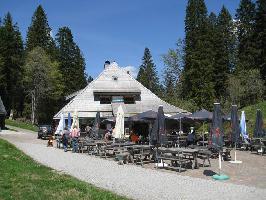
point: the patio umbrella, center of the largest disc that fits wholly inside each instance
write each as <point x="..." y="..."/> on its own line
<point x="157" y="136"/>
<point x="258" y="130"/>
<point x="216" y="128"/>
<point x="235" y="130"/>
<point x="202" y="115"/>
<point x="68" y="121"/>
<point x="75" y="121"/>
<point x="180" y="117"/>
<point x="158" y="129"/>
<point x="150" y="114"/>
<point x="243" y="127"/>
<point x="217" y="138"/>
<point x="61" y="125"/>
<point x="119" y="131"/>
<point x="235" y="125"/>
<point x="96" y="125"/>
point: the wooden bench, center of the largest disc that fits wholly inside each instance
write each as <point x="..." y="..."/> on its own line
<point x="123" y="157"/>
<point x="226" y="154"/>
<point x="205" y="155"/>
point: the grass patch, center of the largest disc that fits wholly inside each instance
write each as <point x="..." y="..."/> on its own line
<point x="12" y="129"/>
<point x="251" y="112"/>
<point x="22" y="178"/>
<point x="20" y="124"/>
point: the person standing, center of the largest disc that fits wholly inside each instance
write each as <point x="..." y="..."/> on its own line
<point x="65" y="138"/>
<point x="75" y="133"/>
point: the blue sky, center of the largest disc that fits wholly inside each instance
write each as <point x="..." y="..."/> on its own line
<point x="114" y="29"/>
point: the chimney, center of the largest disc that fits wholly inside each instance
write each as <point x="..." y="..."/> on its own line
<point x="106" y="64"/>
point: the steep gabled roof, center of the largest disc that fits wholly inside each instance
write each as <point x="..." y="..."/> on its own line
<point x="114" y="79"/>
<point x="2" y="107"/>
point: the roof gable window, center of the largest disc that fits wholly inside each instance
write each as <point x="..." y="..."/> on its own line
<point x="115" y="78"/>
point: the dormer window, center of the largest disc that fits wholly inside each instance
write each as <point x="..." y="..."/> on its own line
<point x="115" y="78"/>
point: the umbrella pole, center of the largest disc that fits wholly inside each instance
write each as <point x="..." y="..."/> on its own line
<point x="180" y="124"/>
<point x="220" y="163"/>
<point x="203" y="134"/>
<point x="235" y="161"/>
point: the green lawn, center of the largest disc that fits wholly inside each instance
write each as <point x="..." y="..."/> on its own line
<point x="22" y="178"/>
<point x="23" y="125"/>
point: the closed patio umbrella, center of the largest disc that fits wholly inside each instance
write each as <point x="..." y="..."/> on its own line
<point x="61" y="125"/>
<point x="69" y="121"/>
<point x="258" y="130"/>
<point x="119" y="131"/>
<point x="243" y="127"/>
<point x="216" y="128"/>
<point x="235" y="130"/>
<point x="75" y="121"/>
<point x="157" y="136"/>
<point x="217" y="138"/>
<point x="96" y="126"/>
<point x="235" y="125"/>
<point x="158" y="129"/>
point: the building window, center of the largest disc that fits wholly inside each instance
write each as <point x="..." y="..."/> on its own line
<point x="117" y="99"/>
<point x="129" y="100"/>
<point x="115" y="78"/>
<point x="105" y="100"/>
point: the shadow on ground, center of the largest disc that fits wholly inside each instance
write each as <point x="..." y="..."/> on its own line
<point x="208" y="172"/>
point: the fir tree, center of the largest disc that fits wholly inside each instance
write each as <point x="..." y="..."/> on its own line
<point x="11" y="61"/>
<point x="224" y="46"/>
<point x="39" y="33"/>
<point x="198" y="70"/>
<point x="260" y="29"/>
<point x="147" y="75"/>
<point x="90" y="79"/>
<point x="72" y="64"/>
<point x="245" y="20"/>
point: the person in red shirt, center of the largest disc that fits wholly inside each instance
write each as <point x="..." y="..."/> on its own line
<point x="134" y="137"/>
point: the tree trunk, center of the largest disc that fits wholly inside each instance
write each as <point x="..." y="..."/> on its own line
<point x="33" y="107"/>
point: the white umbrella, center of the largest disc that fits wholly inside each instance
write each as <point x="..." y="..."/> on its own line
<point x="75" y="121"/>
<point x="61" y="125"/>
<point x="243" y="126"/>
<point x="119" y="131"/>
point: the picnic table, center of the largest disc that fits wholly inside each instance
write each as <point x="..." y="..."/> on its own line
<point x="259" y="145"/>
<point x="140" y="152"/>
<point x="186" y="152"/>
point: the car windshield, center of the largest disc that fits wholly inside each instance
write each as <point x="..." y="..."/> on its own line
<point x="45" y="128"/>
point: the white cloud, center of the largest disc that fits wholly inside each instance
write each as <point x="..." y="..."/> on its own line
<point x="132" y="70"/>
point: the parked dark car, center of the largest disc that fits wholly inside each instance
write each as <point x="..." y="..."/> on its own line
<point x="45" y="131"/>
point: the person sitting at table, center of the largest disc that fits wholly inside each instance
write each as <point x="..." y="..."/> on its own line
<point x="133" y="137"/>
<point x="107" y="136"/>
<point x="191" y="137"/>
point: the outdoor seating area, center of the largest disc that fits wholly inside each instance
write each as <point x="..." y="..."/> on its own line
<point x="125" y="152"/>
<point x="175" y="151"/>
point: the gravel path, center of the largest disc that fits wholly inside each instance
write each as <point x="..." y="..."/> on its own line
<point x="129" y="180"/>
